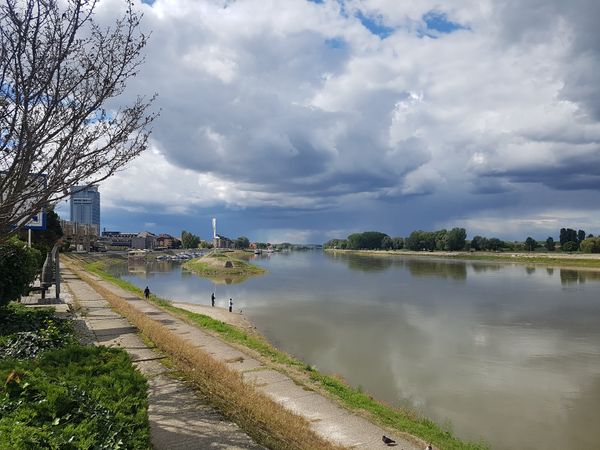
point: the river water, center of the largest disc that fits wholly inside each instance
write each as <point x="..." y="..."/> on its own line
<point x="499" y="352"/>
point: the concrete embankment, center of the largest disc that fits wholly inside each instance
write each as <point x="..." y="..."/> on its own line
<point x="326" y="418"/>
<point x="179" y="419"/>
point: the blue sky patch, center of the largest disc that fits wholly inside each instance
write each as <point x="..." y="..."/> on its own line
<point x="335" y="43"/>
<point x="438" y="21"/>
<point x="315" y="1"/>
<point x="148" y="2"/>
<point x="375" y="25"/>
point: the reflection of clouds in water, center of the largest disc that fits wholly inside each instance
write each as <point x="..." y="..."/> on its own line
<point x="502" y="350"/>
<point x="447" y="365"/>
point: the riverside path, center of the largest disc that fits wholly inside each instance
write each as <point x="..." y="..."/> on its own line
<point x="201" y="425"/>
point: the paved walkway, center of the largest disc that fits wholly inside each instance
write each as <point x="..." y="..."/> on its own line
<point x="326" y="417"/>
<point x="178" y="418"/>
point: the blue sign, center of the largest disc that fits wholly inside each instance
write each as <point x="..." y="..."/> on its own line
<point x="37" y="222"/>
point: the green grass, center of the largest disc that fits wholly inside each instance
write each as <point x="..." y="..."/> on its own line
<point x="60" y="394"/>
<point x="201" y="266"/>
<point x="354" y="398"/>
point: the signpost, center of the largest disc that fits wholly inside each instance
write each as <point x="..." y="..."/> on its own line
<point x="38" y="221"/>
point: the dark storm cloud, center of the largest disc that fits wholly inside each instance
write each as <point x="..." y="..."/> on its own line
<point x="296" y="106"/>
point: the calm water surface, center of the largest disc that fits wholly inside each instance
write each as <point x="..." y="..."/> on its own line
<point x="501" y="352"/>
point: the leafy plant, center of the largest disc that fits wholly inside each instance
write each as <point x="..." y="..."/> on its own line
<point x="72" y="398"/>
<point x="18" y="268"/>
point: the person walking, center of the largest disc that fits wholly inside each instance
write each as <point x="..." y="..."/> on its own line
<point x="212" y="299"/>
<point x="147" y="293"/>
<point x="230" y="305"/>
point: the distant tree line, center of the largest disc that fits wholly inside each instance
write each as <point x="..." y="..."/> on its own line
<point x="456" y="240"/>
<point x="452" y="240"/>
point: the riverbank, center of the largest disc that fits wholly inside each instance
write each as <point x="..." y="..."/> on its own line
<point x="235" y="318"/>
<point x="551" y="259"/>
<point x="396" y="421"/>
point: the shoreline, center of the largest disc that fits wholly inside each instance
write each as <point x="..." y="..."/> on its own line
<point x="235" y="318"/>
<point x="402" y="423"/>
<point x="586" y="261"/>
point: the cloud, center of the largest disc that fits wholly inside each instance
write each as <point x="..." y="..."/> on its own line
<point x="300" y="106"/>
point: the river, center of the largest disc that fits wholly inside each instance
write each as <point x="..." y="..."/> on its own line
<point x="499" y="352"/>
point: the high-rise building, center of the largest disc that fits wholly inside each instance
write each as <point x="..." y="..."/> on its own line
<point x="85" y="205"/>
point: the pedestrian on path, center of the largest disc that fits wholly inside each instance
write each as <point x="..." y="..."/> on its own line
<point x="147" y="292"/>
<point x="212" y="299"/>
<point x="230" y="305"/>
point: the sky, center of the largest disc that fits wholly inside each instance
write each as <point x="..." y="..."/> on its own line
<point x="302" y="121"/>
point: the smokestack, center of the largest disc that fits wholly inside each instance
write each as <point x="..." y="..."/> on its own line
<point x="214" y="225"/>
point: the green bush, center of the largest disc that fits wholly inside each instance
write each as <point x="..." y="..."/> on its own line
<point x="18" y="268"/>
<point x="73" y="398"/>
<point x="570" y="246"/>
<point x="61" y="395"/>
<point x="590" y="245"/>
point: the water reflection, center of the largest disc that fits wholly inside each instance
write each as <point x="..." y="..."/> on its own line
<point x="570" y="276"/>
<point x="222" y="279"/>
<point x="482" y="267"/>
<point x="362" y="263"/>
<point x="456" y="270"/>
<point x="505" y="348"/>
<point x="418" y="267"/>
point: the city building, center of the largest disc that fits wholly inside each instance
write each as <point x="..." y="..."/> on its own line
<point x="115" y="240"/>
<point x="144" y="241"/>
<point x="166" y="241"/>
<point x="85" y="206"/>
<point x="80" y="236"/>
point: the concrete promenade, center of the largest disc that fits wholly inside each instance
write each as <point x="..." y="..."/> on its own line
<point x="179" y="419"/>
<point x="177" y="416"/>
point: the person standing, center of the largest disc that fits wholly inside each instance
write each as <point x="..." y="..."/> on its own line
<point x="230" y="305"/>
<point x="212" y="299"/>
<point x="147" y="292"/>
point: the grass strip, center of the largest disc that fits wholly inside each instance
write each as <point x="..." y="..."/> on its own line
<point x="402" y="420"/>
<point x="268" y="422"/>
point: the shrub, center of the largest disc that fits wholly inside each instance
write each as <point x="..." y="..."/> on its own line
<point x="71" y="398"/>
<point x="590" y="245"/>
<point x="569" y="246"/>
<point x="18" y="268"/>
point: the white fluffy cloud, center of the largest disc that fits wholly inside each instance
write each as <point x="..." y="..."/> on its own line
<point x="299" y="105"/>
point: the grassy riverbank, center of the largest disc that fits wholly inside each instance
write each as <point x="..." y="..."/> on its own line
<point x="60" y="394"/>
<point x="394" y="418"/>
<point x="589" y="261"/>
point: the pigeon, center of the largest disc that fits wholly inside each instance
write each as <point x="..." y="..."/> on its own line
<point x="387" y="440"/>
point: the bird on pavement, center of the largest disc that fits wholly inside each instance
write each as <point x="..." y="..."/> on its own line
<point x="387" y="440"/>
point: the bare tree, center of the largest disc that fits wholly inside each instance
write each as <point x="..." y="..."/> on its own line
<point x="61" y="124"/>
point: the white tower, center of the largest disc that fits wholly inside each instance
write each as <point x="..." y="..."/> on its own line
<point x="214" y="224"/>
